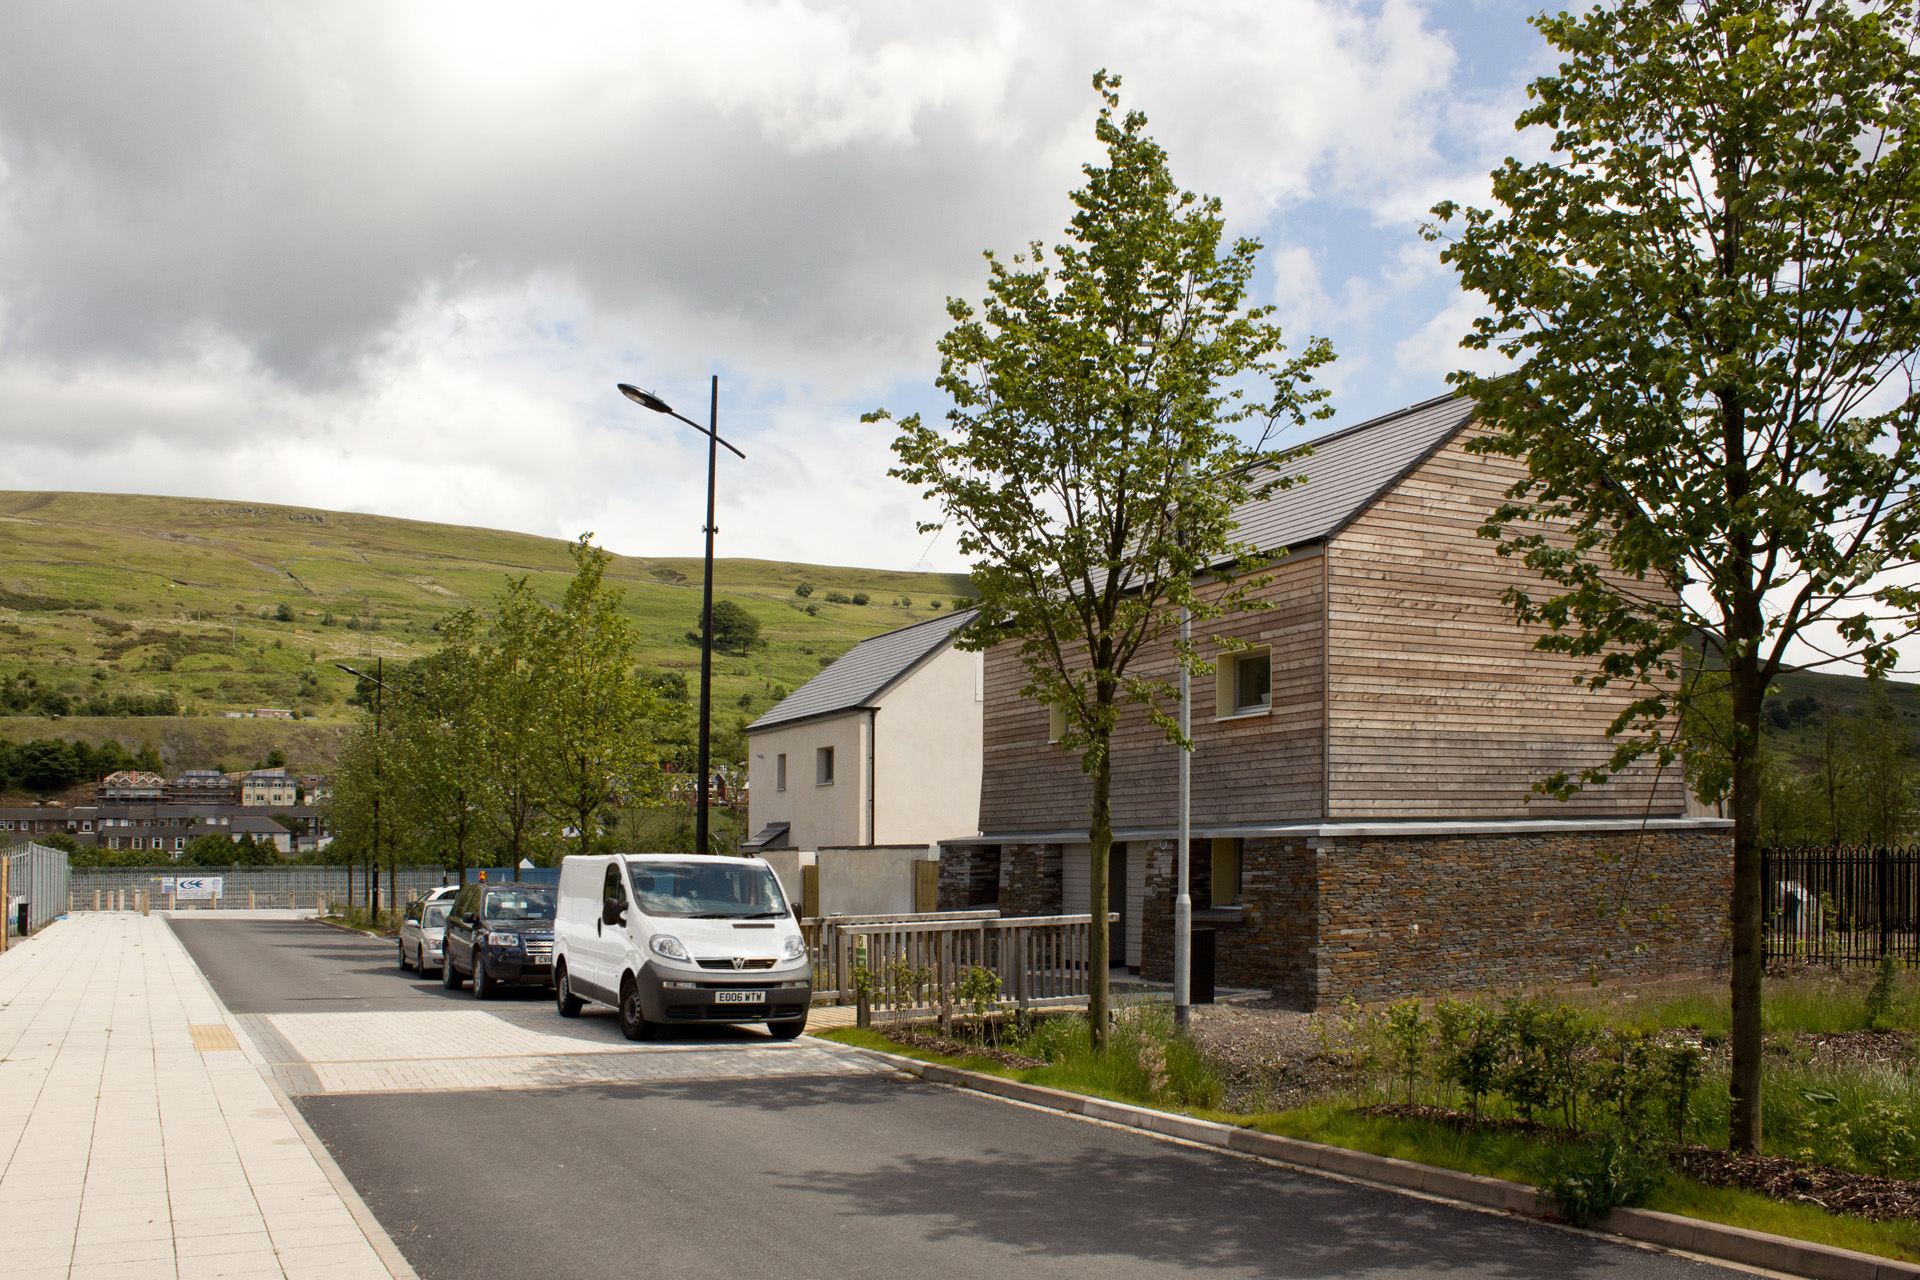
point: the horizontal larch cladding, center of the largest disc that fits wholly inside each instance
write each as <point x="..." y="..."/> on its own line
<point x="1439" y="704"/>
<point x="1256" y="769"/>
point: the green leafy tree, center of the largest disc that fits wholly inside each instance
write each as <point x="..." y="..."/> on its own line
<point x="1091" y="463"/>
<point x="1706" y="296"/>
<point x="207" y="851"/>
<point x="1883" y="767"/>
<point x="440" y="744"/>
<point x="46" y="764"/>
<point x="733" y="627"/>
<point x="604" y="722"/>
<point x="515" y="739"/>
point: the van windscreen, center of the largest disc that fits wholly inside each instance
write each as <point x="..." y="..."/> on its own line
<point x="706" y="890"/>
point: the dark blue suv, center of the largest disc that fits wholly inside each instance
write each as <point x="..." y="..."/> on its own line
<point x="500" y="933"/>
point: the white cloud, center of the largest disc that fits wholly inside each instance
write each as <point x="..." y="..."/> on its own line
<point x="393" y="257"/>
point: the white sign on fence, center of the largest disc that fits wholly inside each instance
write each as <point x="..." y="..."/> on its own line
<point x="190" y="887"/>
<point x="166" y="884"/>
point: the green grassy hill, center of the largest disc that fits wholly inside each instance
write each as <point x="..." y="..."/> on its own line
<point x="105" y="594"/>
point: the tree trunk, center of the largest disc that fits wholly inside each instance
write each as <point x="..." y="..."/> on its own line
<point x="1744" y="1120"/>
<point x="1100" y="845"/>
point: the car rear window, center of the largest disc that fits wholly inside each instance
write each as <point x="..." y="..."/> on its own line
<point x="524" y="902"/>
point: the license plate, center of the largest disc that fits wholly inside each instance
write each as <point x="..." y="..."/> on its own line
<point x="739" y="997"/>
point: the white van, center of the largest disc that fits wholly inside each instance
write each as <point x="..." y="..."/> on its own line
<point x="670" y="937"/>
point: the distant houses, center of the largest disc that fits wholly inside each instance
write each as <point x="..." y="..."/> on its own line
<point x="137" y="810"/>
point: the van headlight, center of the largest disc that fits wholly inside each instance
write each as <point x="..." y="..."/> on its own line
<point x="794" y="948"/>
<point x="669" y="946"/>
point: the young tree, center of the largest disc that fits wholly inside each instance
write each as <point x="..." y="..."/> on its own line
<point x="1883" y="768"/>
<point x="1092" y="464"/>
<point x="439" y="737"/>
<point x="603" y="720"/>
<point x="1707" y="295"/>
<point x="515" y="738"/>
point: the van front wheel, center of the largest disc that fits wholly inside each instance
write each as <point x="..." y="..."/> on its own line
<point x="633" y="1018"/>
<point x="789" y="1029"/>
<point x="568" y="1004"/>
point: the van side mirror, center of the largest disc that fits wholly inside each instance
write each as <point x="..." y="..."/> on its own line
<point x="613" y="911"/>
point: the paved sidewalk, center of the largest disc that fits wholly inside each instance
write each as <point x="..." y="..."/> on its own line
<point x="138" y="1135"/>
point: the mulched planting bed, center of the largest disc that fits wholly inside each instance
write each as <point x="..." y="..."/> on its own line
<point x="957" y="1048"/>
<point x="1859" y="1194"/>
<point x="1835" y="1190"/>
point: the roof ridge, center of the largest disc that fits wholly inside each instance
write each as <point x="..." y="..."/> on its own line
<point x="924" y="622"/>
<point x="1342" y="433"/>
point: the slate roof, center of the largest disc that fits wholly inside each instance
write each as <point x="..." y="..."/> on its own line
<point x="865" y="671"/>
<point x="1348" y="470"/>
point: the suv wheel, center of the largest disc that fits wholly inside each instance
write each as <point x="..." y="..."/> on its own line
<point x="449" y="976"/>
<point x="633" y="1018"/>
<point x="568" y="1004"/>
<point x="484" y="987"/>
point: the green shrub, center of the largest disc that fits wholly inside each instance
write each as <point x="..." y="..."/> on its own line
<point x="1587" y="1181"/>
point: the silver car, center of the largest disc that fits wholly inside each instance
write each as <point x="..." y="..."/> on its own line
<point x="423" y="935"/>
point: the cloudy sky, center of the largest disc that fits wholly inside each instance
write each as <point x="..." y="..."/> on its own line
<point x="393" y="257"/>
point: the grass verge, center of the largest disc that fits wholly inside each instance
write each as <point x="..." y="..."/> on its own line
<point x="1489" y="1153"/>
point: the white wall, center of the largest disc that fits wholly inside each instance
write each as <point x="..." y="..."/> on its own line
<point x="818" y="815"/>
<point x="924" y="783"/>
<point x="927" y="752"/>
<point x="869" y="881"/>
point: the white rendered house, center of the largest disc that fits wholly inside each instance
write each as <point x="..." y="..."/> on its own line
<point x="881" y="748"/>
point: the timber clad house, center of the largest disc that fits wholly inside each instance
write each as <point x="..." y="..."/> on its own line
<point x="1362" y="812"/>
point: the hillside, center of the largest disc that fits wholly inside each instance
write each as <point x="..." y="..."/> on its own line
<point x="105" y="596"/>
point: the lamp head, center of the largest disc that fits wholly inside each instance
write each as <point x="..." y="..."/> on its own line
<point x="645" y="399"/>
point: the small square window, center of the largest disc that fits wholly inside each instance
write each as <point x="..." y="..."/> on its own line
<point x="1253" y="682"/>
<point x="1245" y="683"/>
<point x="823" y="767"/>
<point x="780" y="772"/>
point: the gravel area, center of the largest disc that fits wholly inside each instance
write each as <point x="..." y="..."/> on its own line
<point x="1270" y="1058"/>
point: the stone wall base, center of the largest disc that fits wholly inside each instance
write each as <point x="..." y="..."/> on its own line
<point x="1378" y="918"/>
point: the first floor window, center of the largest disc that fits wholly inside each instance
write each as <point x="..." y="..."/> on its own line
<point x="1245" y="683"/>
<point x="780" y="772"/>
<point x="823" y="767"/>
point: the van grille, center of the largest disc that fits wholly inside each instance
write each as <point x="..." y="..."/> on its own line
<point x="728" y="964"/>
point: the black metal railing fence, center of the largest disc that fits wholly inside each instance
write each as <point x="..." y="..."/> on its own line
<point x="1841" y="904"/>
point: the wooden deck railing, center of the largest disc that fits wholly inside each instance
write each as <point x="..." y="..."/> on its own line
<point x="916" y="961"/>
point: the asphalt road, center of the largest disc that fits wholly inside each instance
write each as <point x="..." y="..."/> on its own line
<point x="848" y="1176"/>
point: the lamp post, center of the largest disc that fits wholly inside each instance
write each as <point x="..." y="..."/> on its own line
<point x="373" y="881"/>
<point x="647" y="400"/>
<point x="1183" y="899"/>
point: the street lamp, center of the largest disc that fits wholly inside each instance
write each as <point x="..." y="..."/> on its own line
<point x="647" y="400"/>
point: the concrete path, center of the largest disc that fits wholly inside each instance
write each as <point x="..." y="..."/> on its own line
<point x="138" y="1135"/>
